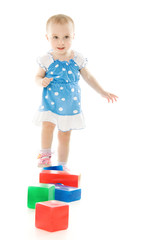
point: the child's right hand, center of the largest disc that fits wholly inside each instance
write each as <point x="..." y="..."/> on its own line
<point x="46" y="81"/>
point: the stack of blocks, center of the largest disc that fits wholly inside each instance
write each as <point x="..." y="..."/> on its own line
<point x="49" y="199"/>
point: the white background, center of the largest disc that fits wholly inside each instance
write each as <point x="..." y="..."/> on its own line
<point x="118" y="152"/>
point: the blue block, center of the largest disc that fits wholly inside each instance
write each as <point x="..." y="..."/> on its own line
<point x="67" y="194"/>
<point x="58" y="168"/>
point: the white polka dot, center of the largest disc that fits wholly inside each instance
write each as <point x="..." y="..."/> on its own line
<point x="75" y="64"/>
<point x="75" y="111"/>
<point x="56" y="93"/>
<point x="61" y="88"/>
<point x="58" y="77"/>
<point x="79" y="91"/>
<point x="51" y="73"/>
<point x="63" y="99"/>
<point x="75" y="98"/>
<point x="42" y="107"/>
<point x="49" y="89"/>
<point x="69" y="72"/>
<point x="60" y="109"/>
<point x="72" y="90"/>
<point x="67" y="64"/>
<point x="63" y="69"/>
<point x="57" y="66"/>
<point x="46" y="97"/>
<point x="52" y="103"/>
<point x="66" y="80"/>
<point x="79" y="103"/>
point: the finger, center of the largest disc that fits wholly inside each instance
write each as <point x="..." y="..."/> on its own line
<point x="44" y="83"/>
<point x="113" y="99"/>
<point x="110" y="98"/>
<point x="114" y="96"/>
<point x="49" y="80"/>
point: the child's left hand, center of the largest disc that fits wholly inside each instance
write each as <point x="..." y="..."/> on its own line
<point x="95" y="85"/>
<point x="109" y="96"/>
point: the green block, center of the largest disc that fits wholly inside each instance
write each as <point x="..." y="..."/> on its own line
<point x="40" y="193"/>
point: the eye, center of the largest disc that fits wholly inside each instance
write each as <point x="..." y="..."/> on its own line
<point x="55" y="37"/>
<point x="66" y="37"/>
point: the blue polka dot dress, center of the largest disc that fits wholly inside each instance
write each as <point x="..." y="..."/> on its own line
<point x="61" y="99"/>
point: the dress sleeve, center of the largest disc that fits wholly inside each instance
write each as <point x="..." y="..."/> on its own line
<point x="80" y="60"/>
<point x="44" y="61"/>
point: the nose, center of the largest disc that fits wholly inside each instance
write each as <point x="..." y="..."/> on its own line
<point x="61" y="41"/>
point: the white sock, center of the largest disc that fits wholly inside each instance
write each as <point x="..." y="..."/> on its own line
<point x="47" y="150"/>
<point x="62" y="163"/>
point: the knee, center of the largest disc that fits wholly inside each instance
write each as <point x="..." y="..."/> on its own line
<point x="48" y="125"/>
<point x="64" y="136"/>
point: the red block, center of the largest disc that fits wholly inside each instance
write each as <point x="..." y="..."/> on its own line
<point x="66" y="178"/>
<point x="52" y="216"/>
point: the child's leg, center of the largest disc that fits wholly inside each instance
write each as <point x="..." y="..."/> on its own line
<point x="47" y="135"/>
<point x="63" y="146"/>
<point x="46" y="142"/>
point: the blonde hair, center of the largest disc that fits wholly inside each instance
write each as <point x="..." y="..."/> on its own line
<point x="59" y="19"/>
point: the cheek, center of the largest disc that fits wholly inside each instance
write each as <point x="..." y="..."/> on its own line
<point x="69" y="43"/>
<point x="53" y="44"/>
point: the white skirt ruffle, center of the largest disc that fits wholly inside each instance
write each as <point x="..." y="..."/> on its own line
<point x="64" y="123"/>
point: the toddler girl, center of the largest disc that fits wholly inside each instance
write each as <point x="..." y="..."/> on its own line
<point x="59" y="74"/>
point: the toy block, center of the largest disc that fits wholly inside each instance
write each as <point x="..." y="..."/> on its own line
<point x="43" y="192"/>
<point x="67" y="194"/>
<point x="52" y="216"/>
<point x="66" y="178"/>
<point x="59" y="168"/>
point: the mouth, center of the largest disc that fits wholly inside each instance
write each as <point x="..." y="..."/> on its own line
<point x="61" y="48"/>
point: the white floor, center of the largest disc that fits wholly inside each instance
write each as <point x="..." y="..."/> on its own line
<point x="120" y="168"/>
<point x="119" y="151"/>
<point x="120" y="181"/>
<point x="115" y="204"/>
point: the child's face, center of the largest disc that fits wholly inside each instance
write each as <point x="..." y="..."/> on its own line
<point x="60" y="37"/>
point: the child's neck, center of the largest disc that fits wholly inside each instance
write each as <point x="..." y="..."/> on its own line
<point x="63" y="57"/>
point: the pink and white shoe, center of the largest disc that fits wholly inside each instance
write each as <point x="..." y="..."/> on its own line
<point x="44" y="160"/>
<point x="66" y="169"/>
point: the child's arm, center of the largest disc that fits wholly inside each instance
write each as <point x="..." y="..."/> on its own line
<point x="40" y="78"/>
<point x="95" y="85"/>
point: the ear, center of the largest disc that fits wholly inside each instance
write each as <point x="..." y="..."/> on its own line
<point x="47" y="36"/>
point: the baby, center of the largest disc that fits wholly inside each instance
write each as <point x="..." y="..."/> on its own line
<point x="59" y="74"/>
